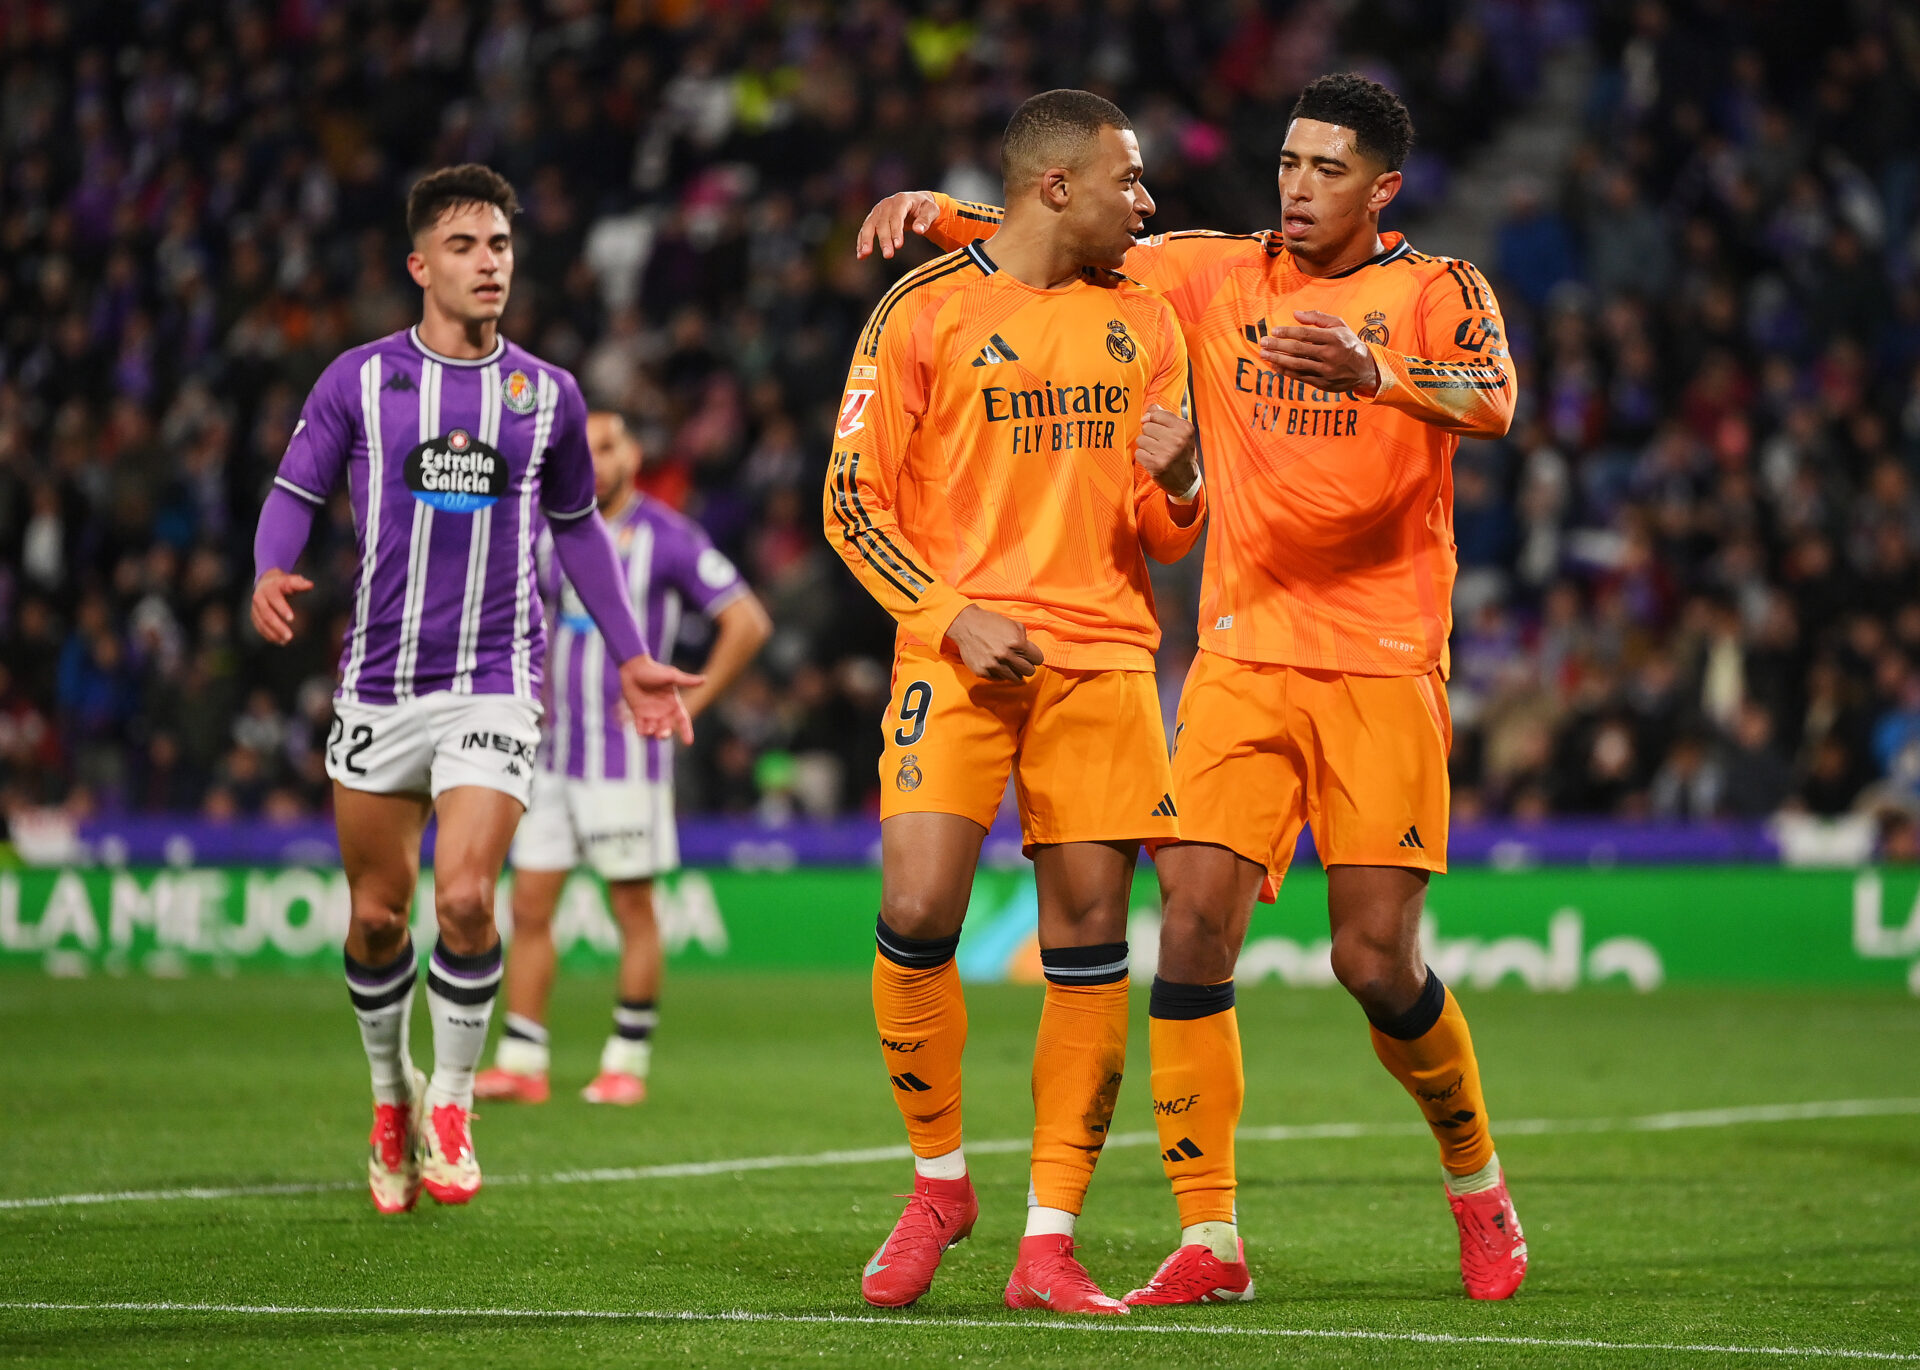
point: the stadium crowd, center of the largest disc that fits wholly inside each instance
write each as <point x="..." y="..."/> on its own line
<point x="1689" y="580"/>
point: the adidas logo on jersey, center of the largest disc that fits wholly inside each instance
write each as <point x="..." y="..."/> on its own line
<point x="1255" y="331"/>
<point x="1412" y="839"/>
<point x="996" y="352"/>
<point x="1165" y="809"/>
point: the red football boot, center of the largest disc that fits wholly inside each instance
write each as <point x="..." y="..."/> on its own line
<point x="1047" y="1276"/>
<point x="1193" y="1274"/>
<point x="448" y="1168"/>
<point x="1493" y="1249"/>
<point x="510" y="1085"/>
<point x="938" y="1214"/>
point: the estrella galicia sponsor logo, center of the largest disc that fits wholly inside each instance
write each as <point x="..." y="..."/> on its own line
<point x="1120" y="344"/>
<point x="516" y="392"/>
<point x="1375" y="329"/>
<point x="456" y="472"/>
<point x="498" y="742"/>
<point x="908" y="779"/>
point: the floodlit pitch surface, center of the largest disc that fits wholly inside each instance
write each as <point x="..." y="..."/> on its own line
<point x="1677" y="1214"/>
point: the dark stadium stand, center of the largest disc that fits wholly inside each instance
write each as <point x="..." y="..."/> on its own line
<point x="1690" y="576"/>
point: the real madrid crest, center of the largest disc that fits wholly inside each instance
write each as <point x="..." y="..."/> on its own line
<point x="908" y="779"/>
<point x="516" y="392"/>
<point x="1119" y="344"/>
<point x="1375" y="328"/>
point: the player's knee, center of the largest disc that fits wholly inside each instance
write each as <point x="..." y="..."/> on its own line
<point x="1195" y="946"/>
<point x="1373" y="973"/>
<point x="381" y="921"/>
<point x="920" y="913"/>
<point x="465" y="904"/>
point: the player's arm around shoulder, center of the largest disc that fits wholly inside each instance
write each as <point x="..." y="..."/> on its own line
<point x="1461" y="377"/>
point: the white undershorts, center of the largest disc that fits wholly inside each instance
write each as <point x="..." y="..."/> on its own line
<point x="433" y="743"/>
<point x="622" y="829"/>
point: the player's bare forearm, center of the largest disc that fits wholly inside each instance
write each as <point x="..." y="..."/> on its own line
<point x="741" y="629"/>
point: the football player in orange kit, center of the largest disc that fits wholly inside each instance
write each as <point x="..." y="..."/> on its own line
<point x="1012" y="445"/>
<point x="1336" y="370"/>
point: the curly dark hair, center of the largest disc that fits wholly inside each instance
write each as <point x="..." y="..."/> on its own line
<point x="1382" y="128"/>
<point x="455" y="187"/>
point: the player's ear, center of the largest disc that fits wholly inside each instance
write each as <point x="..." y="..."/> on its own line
<point x="1056" y="187"/>
<point x="417" y="268"/>
<point x="1385" y="186"/>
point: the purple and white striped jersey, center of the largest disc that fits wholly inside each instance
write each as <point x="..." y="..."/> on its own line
<point x="452" y="465"/>
<point x="668" y="559"/>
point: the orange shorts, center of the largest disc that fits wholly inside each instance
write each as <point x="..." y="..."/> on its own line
<point x="1086" y="749"/>
<point x="1261" y="750"/>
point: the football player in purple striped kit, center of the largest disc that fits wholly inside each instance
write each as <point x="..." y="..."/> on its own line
<point x="456" y="448"/>
<point x="604" y="794"/>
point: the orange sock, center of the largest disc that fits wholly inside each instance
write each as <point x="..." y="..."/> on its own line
<point x="1079" y="1056"/>
<point x="1198" y="1089"/>
<point x="1430" y="1052"/>
<point x="922" y="1016"/>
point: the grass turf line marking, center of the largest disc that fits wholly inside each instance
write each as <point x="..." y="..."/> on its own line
<point x="1103" y="1327"/>
<point x="1529" y="1127"/>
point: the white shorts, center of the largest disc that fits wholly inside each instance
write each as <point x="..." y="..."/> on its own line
<point x="622" y="829"/>
<point x="433" y="743"/>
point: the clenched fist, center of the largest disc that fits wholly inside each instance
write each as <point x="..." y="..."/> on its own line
<point x="1166" y="450"/>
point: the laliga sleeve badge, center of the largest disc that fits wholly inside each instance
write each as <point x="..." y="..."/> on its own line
<point x="516" y="392"/>
<point x="909" y="778"/>
<point x="1119" y="344"/>
<point x="1375" y="328"/>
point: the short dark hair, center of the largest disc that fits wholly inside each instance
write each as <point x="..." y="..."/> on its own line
<point x="1053" y="128"/>
<point x="454" y="187"/>
<point x="1382" y="128"/>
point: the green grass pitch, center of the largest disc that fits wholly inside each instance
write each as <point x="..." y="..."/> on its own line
<point x="1648" y="1244"/>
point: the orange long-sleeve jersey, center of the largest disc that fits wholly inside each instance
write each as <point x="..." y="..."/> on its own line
<point x="1332" y="539"/>
<point x="984" y="454"/>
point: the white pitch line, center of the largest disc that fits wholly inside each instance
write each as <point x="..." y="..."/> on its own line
<point x="1305" y="1132"/>
<point x="1106" y="1327"/>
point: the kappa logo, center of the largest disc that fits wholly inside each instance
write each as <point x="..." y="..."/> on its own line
<point x="517" y="393"/>
<point x="851" y="408"/>
<point x="399" y="382"/>
<point x="1120" y="345"/>
<point x="908" y="778"/>
<point x="1375" y="329"/>
<point x="995" y="352"/>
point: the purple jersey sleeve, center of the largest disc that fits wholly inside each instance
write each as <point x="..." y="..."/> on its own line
<point x="586" y="553"/>
<point x="701" y="571"/>
<point x="566" y="481"/>
<point x="285" y="524"/>
<point x="316" y="455"/>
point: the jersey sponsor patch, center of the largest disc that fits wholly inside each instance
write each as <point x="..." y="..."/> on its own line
<point x="851" y="408"/>
<point x="516" y="392"/>
<point x="714" y="569"/>
<point x="456" y="472"/>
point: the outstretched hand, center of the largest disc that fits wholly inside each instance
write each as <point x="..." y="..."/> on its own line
<point x="887" y="223"/>
<point x="651" y="691"/>
<point x="1322" y="351"/>
<point x="272" y="607"/>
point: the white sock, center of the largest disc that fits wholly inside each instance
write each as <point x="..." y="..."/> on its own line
<point x="1486" y="1177"/>
<point x="382" y="1002"/>
<point x="951" y="1166"/>
<point x="1045" y="1222"/>
<point x="1223" y="1239"/>
<point x="460" y="993"/>
<point x="624" y="1056"/>
<point x="520" y="1051"/>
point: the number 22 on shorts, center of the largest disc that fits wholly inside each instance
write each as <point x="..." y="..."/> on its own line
<point x="362" y="739"/>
